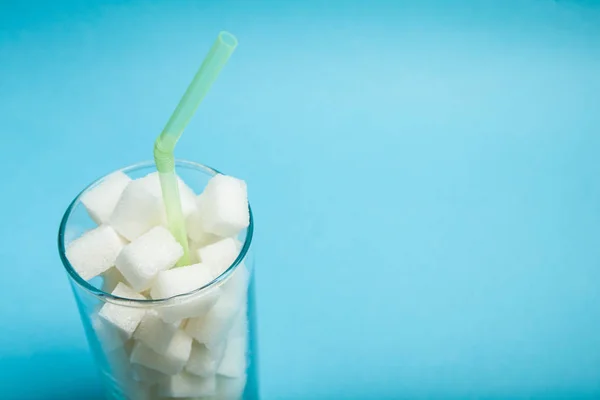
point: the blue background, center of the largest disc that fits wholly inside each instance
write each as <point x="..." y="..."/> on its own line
<point x="425" y="178"/>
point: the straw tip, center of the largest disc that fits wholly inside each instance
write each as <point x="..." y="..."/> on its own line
<point x="228" y="39"/>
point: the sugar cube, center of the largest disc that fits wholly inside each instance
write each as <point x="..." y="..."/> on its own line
<point x="117" y="362"/>
<point x="239" y="327"/>
<point x="233" y="363"/>
<point x="180" y="281"/>
<point x="230" y="388"/>
<point x="186" y="194"/>
<point x="100" y="201"/>
<point x="156" y="333"/>
<point x="204" y="361"/>
<point x="220" y="255"/>
<point x="95" y="251"/>
<point x="110" y="278"/>
<point x="224" y="206"/>
<point x="187" y="385"/>
<point x="108" y="337"/>
<point x="213" y="327"/>
<point x="123" y="317"/>
<point x="144" y="374"/>
<point x="195" y="226"/>
<point x="180" y="347"/>
<point x="120" y="374"/>
<point x="154" y="251"/>
<point x="137" y="211"/>
<point x="132" y="389"/>
<point x="141" y="390"/>
<point x="192" y="306"/>
<point x="170" y="363"/>
<point x="236" y="285"/>
<point x="228" y="314"/>
<point x="193" y="246"/>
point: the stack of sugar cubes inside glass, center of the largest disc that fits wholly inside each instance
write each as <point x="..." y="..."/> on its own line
<point x="193" y="343"/>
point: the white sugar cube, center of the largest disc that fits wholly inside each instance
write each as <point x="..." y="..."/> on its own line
<point x="239" y="327"/>
<point x="233" y="363"/>
<point x="224" y="206"/>
<point x="170" y="363"/>
<point x="127" y="387"/>
<point x="228" y="314"/>
<point x="220" y="255"/>
<point x="204" y="361"/>
<point x="195" y="226"/>
<point x="117" y="363"/>
<point x="154" y="251"/>
<point x="108" y="337"/>
<point x="180" y="281"/>
<point x="225" y="314"/>
<point x="230" y="388"/>
<point x="186" y="194"/>
<point x="236" y="285"/>
<point x="137" y="211"/>
<point x="192" y="246"/>
<point x="143" y="374"/>
<point x="111" y="278"/>
<point x="141" y="390"/>
<point x="100" y="201"/>
<point x="185" y="385"/>
<point x="123" y="317"/>
<point x="213" y="327"/>
<point x="156" y="333"/>
<point x="95" y="251"/>
<point x="192" y="306"/>
<point x="180" y="347"/>
<point x="120" y="372"/>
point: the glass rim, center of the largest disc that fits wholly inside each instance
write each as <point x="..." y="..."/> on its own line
<point x="105" y="296"/>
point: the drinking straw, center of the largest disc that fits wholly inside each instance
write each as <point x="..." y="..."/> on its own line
<point x="165" y="143"/>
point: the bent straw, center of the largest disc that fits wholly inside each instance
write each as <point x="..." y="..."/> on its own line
<point x="164" y="145"/>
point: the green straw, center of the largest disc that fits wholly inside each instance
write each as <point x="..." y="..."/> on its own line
<point x="165" y="144"/>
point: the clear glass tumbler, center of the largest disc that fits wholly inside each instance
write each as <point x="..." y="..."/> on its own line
<point x="224" y="366"/>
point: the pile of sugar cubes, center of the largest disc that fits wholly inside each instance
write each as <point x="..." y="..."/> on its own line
<point x="191" y="346"/>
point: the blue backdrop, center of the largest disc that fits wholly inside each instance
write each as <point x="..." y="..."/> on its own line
<point x="425" y="178"/>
